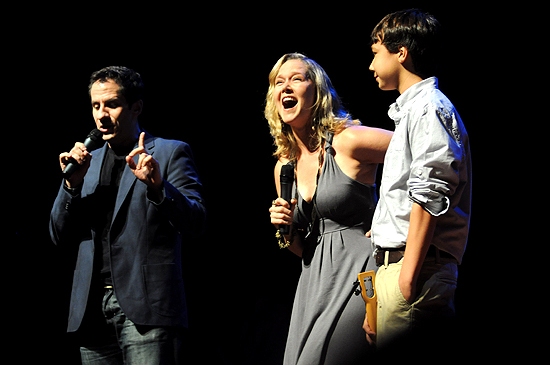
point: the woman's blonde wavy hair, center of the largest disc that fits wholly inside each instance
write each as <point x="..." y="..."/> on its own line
<point x="328" y="112"/>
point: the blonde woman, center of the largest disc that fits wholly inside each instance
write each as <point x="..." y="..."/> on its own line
<point x="335" y="160"/>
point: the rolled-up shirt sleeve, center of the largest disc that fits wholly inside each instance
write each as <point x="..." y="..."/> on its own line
<point x="435" y="155"/>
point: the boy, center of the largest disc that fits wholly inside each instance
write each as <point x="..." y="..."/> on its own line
<point x="421" y="223"/>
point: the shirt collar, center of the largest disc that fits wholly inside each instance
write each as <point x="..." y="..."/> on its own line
<point x="399" y="107"/>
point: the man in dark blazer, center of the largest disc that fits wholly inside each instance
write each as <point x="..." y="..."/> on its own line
<point x="127" y="207"/>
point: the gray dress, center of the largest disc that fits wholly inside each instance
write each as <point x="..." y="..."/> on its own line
<point x="327" y="317"/>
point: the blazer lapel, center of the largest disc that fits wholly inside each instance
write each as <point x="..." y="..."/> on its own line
<point x="128" y="178"/>
<point x="91" y="180"/>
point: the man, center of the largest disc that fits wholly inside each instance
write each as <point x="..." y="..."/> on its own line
<point x="128" y="208"/>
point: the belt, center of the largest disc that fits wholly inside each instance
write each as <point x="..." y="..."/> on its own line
<point x="396" y="254"/>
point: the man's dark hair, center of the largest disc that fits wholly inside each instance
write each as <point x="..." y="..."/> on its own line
<point x="130" y="82"/>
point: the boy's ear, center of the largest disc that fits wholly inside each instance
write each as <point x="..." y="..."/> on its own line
<point x="402" y="54"/>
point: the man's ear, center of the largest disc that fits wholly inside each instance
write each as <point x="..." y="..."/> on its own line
<point x="137" y="107"/>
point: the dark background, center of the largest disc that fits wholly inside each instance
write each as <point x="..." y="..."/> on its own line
<point x="205" y="68"/>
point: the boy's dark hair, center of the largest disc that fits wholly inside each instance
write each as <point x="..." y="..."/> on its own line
<point x="418" y="31"/>
<point x="130" y="82"/>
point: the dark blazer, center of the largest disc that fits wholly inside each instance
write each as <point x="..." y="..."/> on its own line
<point x="145" y="238"/>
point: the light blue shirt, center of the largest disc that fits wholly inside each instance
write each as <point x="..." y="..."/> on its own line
<point x="428" y="161"/>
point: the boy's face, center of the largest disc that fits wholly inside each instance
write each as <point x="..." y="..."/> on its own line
<point x="386" y="67"/>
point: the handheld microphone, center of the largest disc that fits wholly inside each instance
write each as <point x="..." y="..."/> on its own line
<point x="287" y="180"/>
<point x="93" y="141"/>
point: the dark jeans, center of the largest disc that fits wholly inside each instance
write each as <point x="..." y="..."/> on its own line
<point x="130" y="344"/>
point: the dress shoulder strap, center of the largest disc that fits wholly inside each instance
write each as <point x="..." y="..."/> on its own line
<point x="328" y="137"/>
